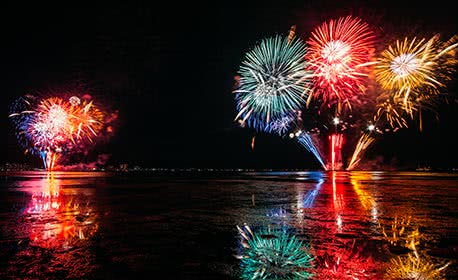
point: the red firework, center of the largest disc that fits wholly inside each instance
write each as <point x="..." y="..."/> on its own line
<point x="339" y="53"/>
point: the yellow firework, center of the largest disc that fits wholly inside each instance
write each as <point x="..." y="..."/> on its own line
<point x="414" y="70"/>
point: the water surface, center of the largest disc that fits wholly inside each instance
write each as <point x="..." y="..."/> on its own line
<point x="350" y="225"/>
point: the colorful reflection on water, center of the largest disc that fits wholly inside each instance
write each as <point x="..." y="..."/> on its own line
<point x="269" y="225"/>
<point x="56" y="218"/>
<point x="346" y="234"/>
<point x="53" y="229"/>
<point x="269" y="253"/>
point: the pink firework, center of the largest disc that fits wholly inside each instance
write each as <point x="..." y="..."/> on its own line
<point x="340" y="53"/>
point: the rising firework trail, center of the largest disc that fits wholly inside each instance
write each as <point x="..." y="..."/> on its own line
<point x="363" y="143"/>
<point x="55" y="126"/>
<point x="306" y="140"/>
<point x="336" y="141"/>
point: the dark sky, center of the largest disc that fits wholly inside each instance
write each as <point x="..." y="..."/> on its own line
<point x="169" y="71"/>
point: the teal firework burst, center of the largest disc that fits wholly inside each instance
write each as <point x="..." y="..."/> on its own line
<point x="273" y="254"/>
<point x="273" y="83"/>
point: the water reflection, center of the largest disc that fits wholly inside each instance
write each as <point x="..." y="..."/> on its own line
<point x="56" y="219"/>
<point x="309" y="225"/>
<point x="346" y="261"/>
<point x="366" y="198"/>
<point x="344" y="231"/>
<point x="269" y="253"/>
<point x="415" y="266"/>
<point x="401" y="233"/>
<point x="54" y="229"/>
<point x="409" y="260"/>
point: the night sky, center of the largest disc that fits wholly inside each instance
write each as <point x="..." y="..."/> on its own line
<point x="169" y="70"/>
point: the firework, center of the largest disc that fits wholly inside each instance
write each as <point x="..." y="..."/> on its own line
<point x="336" y="141"/>
<point x="54" y="126"/>
<point x="340" y="57"/>
<point x="391" y="112"/>
<point x="273" y="83"/>
<point x="411" y="74"/>
<point x="280" y="125"/>
<point x="413" y="71"/>
<point x="363" y="143"/>
<point x="340" y="52"/>
<point x="306" y="140"/>
<point x="273" y="254"/>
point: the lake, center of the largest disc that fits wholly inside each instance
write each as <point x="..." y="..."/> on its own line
<point x="229" y="225"/>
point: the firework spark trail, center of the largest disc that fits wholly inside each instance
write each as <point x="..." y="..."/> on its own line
<point x="363" y="143"/>
<point x="273" y="83"/>
<point x="339" y="53"/>
<point x="306" y="140"/>
<point x="391" y="112"/>
<point x="336" y="151"/>
<point x="280" y="125"/>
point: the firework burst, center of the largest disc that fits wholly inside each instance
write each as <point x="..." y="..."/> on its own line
<point x="412" y="71"/>
<point x="54" y="126"/>
<point x="340" y="52"/>
<point x="273" y="82"/>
